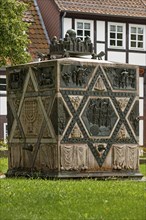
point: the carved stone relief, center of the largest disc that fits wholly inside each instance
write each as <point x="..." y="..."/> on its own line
<point x="17" y="133"/>
<point x="122" y="78"/>
<point x="16" y="79"/>
<point x="45" y="76"/>
<point x="47" y="101"/>
<point x="30" y="86"/>
<point x="16" y="103"/>
<point x="75" y="76"/>
<point x="125" y="157"/>
<point x="48" y="157"/>
<point x="123" y="134"/>
<point x="76" y="100"/>
<point x="46" y="133"/>
<point x="74" y="157"/>
<point x="10" y="117"/>
<point x="123" y="102"/>
<point x="76" y="132"/>
<point x="31" y="117"/>
<point x="16" y="156"/>
<point x="134" y="118"/>
<point x="99" y="117"/>
<point x="132" y="157"/>
<point x="59" y="116"/>
<point x="100" y="149"/>
<point x="91" y="111"/>
<point x="71" y="44"/>
<point x="99" y="85"/>
<point x="31" y="112"/>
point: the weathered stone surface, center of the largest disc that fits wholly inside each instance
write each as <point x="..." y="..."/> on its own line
<point x="73" y="118"/>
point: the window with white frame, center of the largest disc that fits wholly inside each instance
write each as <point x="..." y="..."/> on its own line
<point x="136" y="37"/>
<point x="116" y="35"/>
<point x="84" y="28"/>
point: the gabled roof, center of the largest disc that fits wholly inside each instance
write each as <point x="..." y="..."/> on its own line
<point x="37" y="33"/>
<point x="129" y="8"/>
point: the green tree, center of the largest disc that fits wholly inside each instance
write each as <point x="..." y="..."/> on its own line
<point x="13" y="33"/>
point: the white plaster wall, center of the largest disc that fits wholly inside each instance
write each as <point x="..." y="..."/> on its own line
<point x="2" y="76"/>
<point x="5" y="132"/>
<point x="141" y="86"/>
<point x="3" y="106"/>
<point x="100" y="47"/>
<point x="3" y="93"/>
<point x="117" y="56"/>
<point x="100" y="34"/>
<point x="137" y="59"/>
<point x="141" y="137"/>
<point x="66" y="25"/>
<point x="141" y="109"/>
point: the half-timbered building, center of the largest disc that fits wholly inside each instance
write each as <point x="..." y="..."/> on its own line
<point x="116" y="27"/>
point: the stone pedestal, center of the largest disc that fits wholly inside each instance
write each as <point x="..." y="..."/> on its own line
<point x="73" y="117"/>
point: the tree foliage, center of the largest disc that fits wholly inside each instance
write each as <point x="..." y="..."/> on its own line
<point x="13" y="33"/>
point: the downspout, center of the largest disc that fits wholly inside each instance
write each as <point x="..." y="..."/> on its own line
<point x="42" y="22"/>
<point x="62" y="23"/>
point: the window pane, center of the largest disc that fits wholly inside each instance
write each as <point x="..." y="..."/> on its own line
<point x="133" y="37"/>
<point x="119" y="43"/>
<point x="87" y="25"/>
<point x="112" y="28"/>
<point x="119" y="36"/>
<point x="140" y="30"/>
<point x="119" y="29"/>
<point x="133" y="29"/>
<point x="112" y="35"/>
<point x="133" y="44"/>
<point x="87" y="33"/>
<point x="80" y="38"/>
<point x="140" y="44"/>
<point x="79" y="25"/>
<point x="79" y="32"/>
<point x="112" y="42"/>
<point x="140" y="37"/>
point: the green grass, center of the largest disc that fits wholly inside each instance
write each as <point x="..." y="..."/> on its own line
<point x="143" y="169"/>
<point x="37" y="199"/>
<point x="3" y="165"/>
<point x="75" y="200"/>
<point x="3" y="148"/>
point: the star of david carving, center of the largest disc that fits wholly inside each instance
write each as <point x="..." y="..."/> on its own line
<point x="76" y="114"/>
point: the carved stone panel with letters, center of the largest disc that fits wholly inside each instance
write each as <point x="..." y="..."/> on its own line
<point x="73" y="118"/>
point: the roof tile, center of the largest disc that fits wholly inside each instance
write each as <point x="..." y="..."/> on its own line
<point x="129" y="8"/>
<point x="36" y="32"/>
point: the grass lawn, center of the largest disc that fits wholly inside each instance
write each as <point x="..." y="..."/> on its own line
<point x="37" y="199"/>
<point x="143" y="169"/>
<point x="3" y="165"/>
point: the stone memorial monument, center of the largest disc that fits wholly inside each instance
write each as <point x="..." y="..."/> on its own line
<point x="73" y="117"/>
